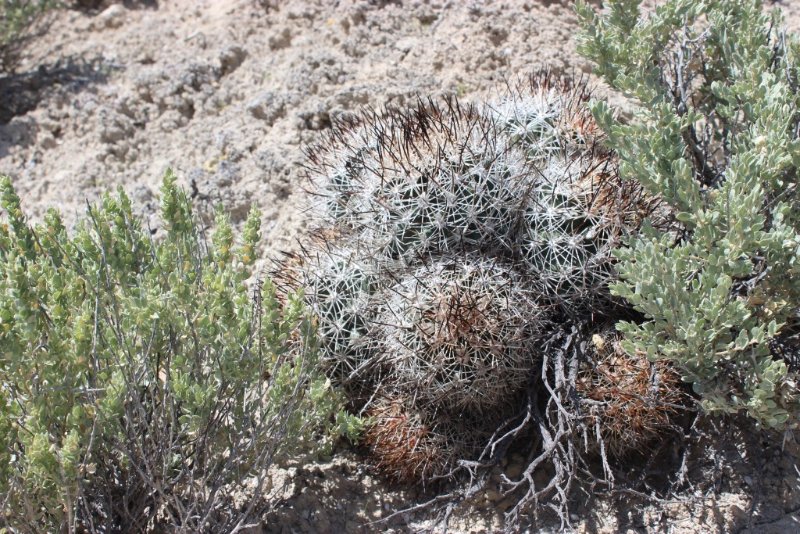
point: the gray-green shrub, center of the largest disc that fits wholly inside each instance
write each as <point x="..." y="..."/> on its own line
<point x="142" y="385"/>
<point x="715" y="135"/>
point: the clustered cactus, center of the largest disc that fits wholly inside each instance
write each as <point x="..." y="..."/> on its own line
<point x="447" y="242"/>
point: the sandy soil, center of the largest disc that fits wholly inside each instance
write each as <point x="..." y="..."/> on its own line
<point x="228" y="92"/>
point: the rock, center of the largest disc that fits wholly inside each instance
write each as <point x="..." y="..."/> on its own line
<point x="267" y="106"/>
<point x="141" y="193"/>
<point x="492" y="495"/>
<point x="230" y="58"/>
<point x="317" y="119"/>
<point x="113" y="127"/>
<point x="353" y="97"/>
<point x="282" y="39"/>
<point x="515" y="466"/>
<point x="507" y="503"/>
<point x="47" y="141"/>
<point x="227" y="174"/>
<point x="112" y="17"/>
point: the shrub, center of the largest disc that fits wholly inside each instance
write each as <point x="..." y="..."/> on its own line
<point x="16" y="18"/>
<point x="143" y="385"/>
<point x="715" y="135"/>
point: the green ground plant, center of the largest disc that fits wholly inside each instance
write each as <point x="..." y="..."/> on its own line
<point x="143" y="385"/>
<point x="715" y="135"/>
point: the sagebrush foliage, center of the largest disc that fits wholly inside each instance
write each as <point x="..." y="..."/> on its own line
<point x="142" y="383"/>
<point x="715" y="135"/>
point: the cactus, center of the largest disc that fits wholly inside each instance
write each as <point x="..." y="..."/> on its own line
<point x="405" y="186"/>
<point x="546" y="113"/>
<point x="338" y="288"/>
<point x="413" y="445"/>
<point x="449" y="240"/>
<point x="629" y="401"/>
<point x="460" y="333"/>
<point x="578" y="208"/>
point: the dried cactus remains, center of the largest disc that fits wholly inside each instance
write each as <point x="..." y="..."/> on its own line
<point x="413" y="445"/>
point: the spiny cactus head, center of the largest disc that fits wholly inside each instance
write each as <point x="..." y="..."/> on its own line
<point x="434" y="180"/>
<point x="337" y="287"/>
<point x="415" y="446"/>
<point x="566" y="246"/>
<point x="546" y="112"/>
<point x="458" y="333"/>
<point x="633" y="401"/>
<point x="333" y="167"/>
<point x="576" y="211"/>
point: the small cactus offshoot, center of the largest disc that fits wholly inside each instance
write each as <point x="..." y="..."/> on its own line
<point x="414" y="445"/>
<point x="459" y="333"/>
<point x="630" y="399"/>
